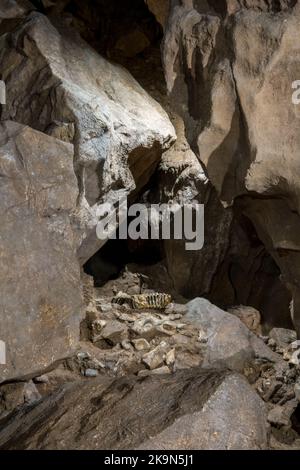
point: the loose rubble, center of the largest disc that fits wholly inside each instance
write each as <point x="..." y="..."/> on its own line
<point x="119" y="340"/>
<point x="184" y="336"/>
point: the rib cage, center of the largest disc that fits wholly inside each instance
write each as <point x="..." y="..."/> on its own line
<point x="155" y="300"/>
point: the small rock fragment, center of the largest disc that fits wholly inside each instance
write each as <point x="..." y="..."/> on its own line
<point x="283" y="337"/>
<point x="146" y="327"/>
<point x="82" y="355"/>
<point x="90" y="373"/>
<point x="126" y="345"/>
<point x="180" y="339"/>
<point x="144" y="373"/>
<point x="292" y="353"/>
<point x="297" y="391"/>
<point x="280" y="415"/>
<point x="186" y="360"/>
<point x="167" y="328"/>
<point x="161" y="370"/>
<point x="123" y="316"/>
<point x="103" y="306"/>
<point x="96" y="328"/>
<point x="92" y="313"/>
<point x="249" y="316"/>
<point x="31" y="393"/>
<point x="115" y="332"/>
<point x="170" y="357"/>
<point x="272" y="343"/>
<point x="42" y="379"/>
<point x="155" y="358"/>
<point x="95" y="364"/>
<point x="175" y="309"/>
<point x="141" y="344"/>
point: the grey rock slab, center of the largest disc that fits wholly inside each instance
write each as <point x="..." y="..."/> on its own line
<point x="229" y="343"/>
<point x="192" y="409"/>
<point x="40" y="287"/>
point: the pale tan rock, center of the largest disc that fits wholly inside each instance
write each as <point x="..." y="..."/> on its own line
<point x="167" y="328"/>
<point x="126" y="345"/>
<point x="141" y="344"/>
<point x="249" y="316"/>
<point x="144" y="373"/>
<point x="92" y="312"/>
<point x="175" y="309"/>
<point x="161" y="371"/>
<point x="180" y="339"/>
<point x="170" y="357"/>
<point x="155" y="358"/>
<point x="40" y="285"/>
<point x="114" y="331"/>
<point x="123" y="316"/>
<point x="96" y="328"/>
<point x="146" y="327"/>
<point x="186" y="360"/>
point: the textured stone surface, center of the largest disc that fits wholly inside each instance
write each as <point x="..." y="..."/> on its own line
<point x="182" y="180"/>
<point x="232" y="83"/>
<point x="232" y="418"/>
<point x="66" y="89"/>
<point x="282" y="336"/>
<point x="229" y="68"/>
<point x="41" y="303"/>
<point x="229" y="343"/>
<point x="189" y="410"/>
<point x="249" y="316"/>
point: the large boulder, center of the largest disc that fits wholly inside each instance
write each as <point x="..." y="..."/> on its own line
<point x="41" y="303"/>
<point x="58" y="84"/>
<point x="190" y="410"/>
<point x="228" y="342"/>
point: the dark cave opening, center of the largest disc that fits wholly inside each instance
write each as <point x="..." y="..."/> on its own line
<point x="123" y="31"/>
<point x="127" y="33"/>
<point x="256" y="277"/>
<point x="111" y="260"/>
<point x="118" y="30"/>
<point x="248" y="276"/>
<point x="295" y="419"/>
<point x="115" y="28"/>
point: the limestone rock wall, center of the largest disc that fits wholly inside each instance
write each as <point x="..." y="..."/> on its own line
<point x="41" y="303"/>
<point x="76" y="131"/>
<point x="229" y="68"/>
